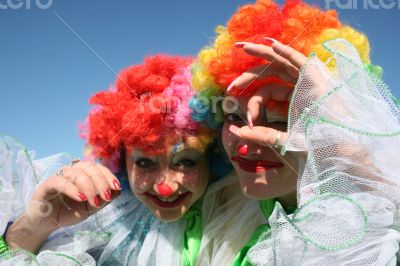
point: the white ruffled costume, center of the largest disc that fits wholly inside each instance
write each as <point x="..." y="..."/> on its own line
<point x="348" y="122"/>
<point x="124" y="232"/>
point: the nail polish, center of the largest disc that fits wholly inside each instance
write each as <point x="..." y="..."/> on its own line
<point x="249" y="120"/>
<point x="272" y="40"/>
<point x="231" y="86"/>
<point x="117" y="185"/>
<point x="107" y="194"/>
<point x="240" y="44"/>
<point x="234" y="130"/>
<point x="96" y="201"/>
<point x="82" y="196"/>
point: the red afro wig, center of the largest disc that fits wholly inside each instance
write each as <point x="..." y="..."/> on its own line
<point x="121" y="117"/>
<point x="296" y="23"/>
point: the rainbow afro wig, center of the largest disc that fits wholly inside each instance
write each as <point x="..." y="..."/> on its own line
<point x="148" y="109"/>
<point x="302" y="26"/>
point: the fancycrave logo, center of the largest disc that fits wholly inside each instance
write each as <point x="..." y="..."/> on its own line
<point x="25" y="4"/>
<point x="362" y="4"/>
<point x="160" y="104"/>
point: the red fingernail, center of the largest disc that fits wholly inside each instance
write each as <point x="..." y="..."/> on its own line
<point x="239" y="45"/>
<point x="271" y="40"/>
<point x="117" y="185"/>
<point x="96" y="201"/>
<point x="230" y="87"/>
<point x="82" y="197"/>
<point x="233" y="129"/>
<point x="107" y="194"/>
<point x="249" y="120"/>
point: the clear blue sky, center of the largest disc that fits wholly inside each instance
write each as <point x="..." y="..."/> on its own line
<point x="47" y="73"/>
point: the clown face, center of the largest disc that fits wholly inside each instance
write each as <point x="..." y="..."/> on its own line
<point x="263" y="172"/>
<point x="168" y="183"/>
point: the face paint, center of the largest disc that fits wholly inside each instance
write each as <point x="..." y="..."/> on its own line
<point x="169" y="183"/>
<point x="164" y="190"/>
<point x="242" y="150"/>
<point x="178" y="147"/>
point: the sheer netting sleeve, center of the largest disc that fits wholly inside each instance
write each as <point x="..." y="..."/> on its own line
<point x="347" y="122"/>
<point x="124" y="232"/>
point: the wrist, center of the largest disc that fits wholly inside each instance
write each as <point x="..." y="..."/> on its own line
<point x="27" y="234"/>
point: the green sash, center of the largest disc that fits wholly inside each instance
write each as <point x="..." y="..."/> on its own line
<point x="267" y="207"/>
<point x="192" y="235"/>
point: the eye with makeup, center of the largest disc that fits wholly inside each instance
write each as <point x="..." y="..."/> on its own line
<point x="185" y="163"/>
<point x="145" y="163"/>
<point x="234" y="118"/>
<point x="276" y="121"/>
<point x="187" y="159"/>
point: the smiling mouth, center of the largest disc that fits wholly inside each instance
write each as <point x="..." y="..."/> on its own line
<point x="170" y="202"/>
<point x="256" y="166"/>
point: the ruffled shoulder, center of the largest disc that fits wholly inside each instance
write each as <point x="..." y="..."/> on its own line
<point x="123" y="233"/>
<point x="229" y="219"/>
<point x="20" y="173"/>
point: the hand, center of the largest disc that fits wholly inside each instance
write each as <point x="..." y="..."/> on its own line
<point x="81" y="191"/>
<point x="285" y="63"/>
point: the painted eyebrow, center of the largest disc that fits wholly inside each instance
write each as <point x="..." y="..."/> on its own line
<point x="187" y="152"/>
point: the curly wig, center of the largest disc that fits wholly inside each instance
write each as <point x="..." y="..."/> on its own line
<point x="147" y="109"/>
<point x="302" y="26"/>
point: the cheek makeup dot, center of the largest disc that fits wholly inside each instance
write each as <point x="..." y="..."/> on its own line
<point x="242" y="150"/>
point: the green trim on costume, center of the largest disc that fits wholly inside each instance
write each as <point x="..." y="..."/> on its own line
<point x="14" y="252"/>
<point x="267" y="207"/>
<point x="360" y="235"/>
<point x="192" y="235"/>
<point x="26" y="153"/>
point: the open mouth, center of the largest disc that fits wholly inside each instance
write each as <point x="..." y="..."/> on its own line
<point x="256" y="166"/>
<point x="170" y="202"/>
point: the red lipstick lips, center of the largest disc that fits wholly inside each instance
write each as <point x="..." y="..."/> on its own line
<point x="256" y="166"/>
<point x="166" y="204"/>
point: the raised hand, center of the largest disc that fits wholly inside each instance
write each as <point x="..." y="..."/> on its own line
<point x="285" y="63"/>
<point x="66" y="198"/>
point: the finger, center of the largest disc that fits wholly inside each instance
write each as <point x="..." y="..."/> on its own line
<point x="293" y="56"/>
<point x="85" y="184"/>
<point x="266" y="52"/>
<point x="59" y="184"/>
<point x="258" y="73"/>
<point x="263" y="136"/>
<point x="255" y="110"/>
<point x="257" y="102"/>
<point x="100" y="181"/>
<point x="111" y="178"/>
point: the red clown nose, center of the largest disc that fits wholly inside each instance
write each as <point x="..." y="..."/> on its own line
<point x="164" y="190"/>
